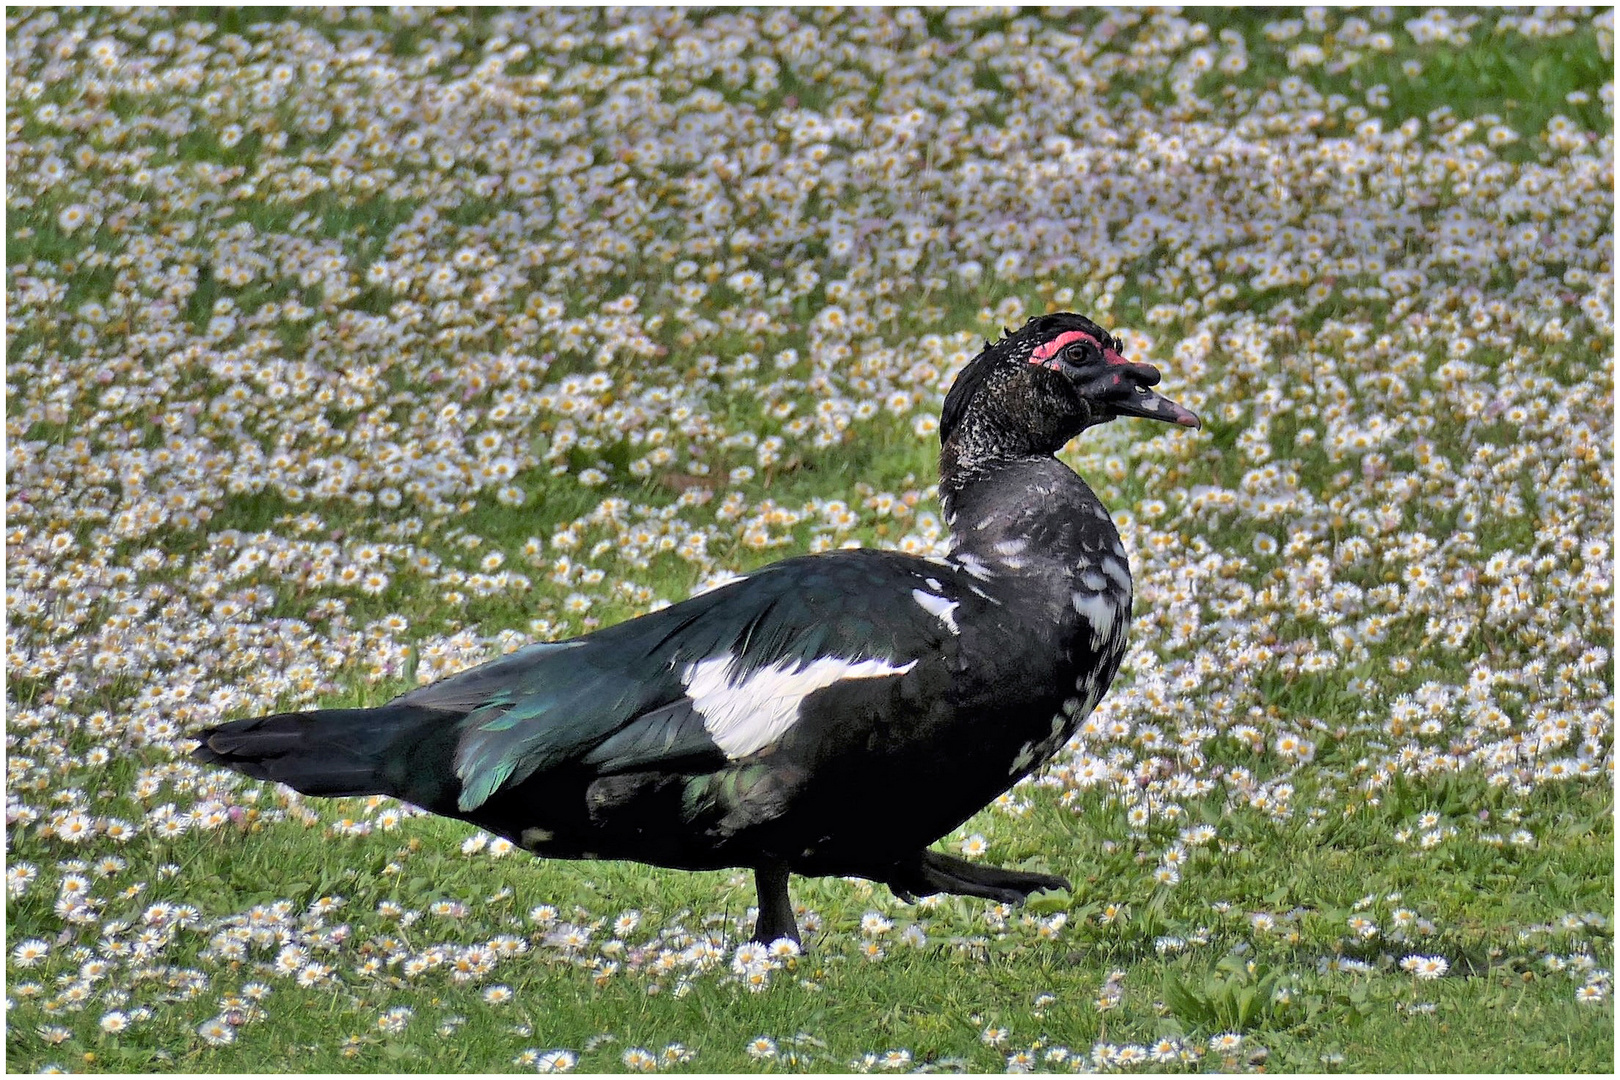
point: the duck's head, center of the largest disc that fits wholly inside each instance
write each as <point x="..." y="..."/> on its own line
<point x="1042" y="385"/>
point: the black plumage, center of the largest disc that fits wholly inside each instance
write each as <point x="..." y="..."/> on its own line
<point x="829" y="714"/>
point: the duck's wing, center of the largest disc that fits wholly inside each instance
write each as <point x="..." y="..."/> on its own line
<point x="713" y="679"/>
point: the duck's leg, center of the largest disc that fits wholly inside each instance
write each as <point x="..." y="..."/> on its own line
<point x="775" y="907"/>
<point x="935" y="872"/>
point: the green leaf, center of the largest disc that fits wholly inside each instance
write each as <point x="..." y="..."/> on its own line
<point x="1047" y="902"/>
<point x="1245" y="1006"/>
<point x="1185" y="1004"/>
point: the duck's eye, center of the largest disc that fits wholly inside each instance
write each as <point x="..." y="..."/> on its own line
<point x="1076" y="353"/>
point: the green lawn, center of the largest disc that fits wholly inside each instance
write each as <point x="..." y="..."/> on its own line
<point x="346" y="350"/>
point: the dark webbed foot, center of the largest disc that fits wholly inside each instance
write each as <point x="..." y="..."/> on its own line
<point x="934" y="872"/>
<point x="775" y="907"/>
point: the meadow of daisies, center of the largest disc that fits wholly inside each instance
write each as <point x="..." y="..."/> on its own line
<point x="351" y="348"/>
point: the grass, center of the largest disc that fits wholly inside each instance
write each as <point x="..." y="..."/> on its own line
<point x="1257" y="941"/>
<point x="925" y="999"/>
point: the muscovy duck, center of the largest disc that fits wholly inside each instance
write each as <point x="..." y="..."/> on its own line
<point x="833" y="714"/>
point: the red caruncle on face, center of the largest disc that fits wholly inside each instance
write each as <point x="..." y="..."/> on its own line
<point x="1046" y="354"/>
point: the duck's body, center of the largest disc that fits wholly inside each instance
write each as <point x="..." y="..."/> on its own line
<point x="832" y="714"/>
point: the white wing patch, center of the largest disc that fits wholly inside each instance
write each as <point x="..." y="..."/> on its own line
<point x="744" y="718"/>
<point x="1099" y="611"/>
<point x="1116" y="570"/>
<point x="970" y="562"/>
<point x="942" y="609"/>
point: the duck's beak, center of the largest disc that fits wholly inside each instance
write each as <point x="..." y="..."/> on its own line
<point x="1155" y="406"/>
<point x="1125" y="389"/>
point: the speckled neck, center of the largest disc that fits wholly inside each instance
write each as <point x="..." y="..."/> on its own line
<point x="1023" y="512"/>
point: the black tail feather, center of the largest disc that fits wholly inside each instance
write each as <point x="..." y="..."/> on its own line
<point x="330" y="752"/>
